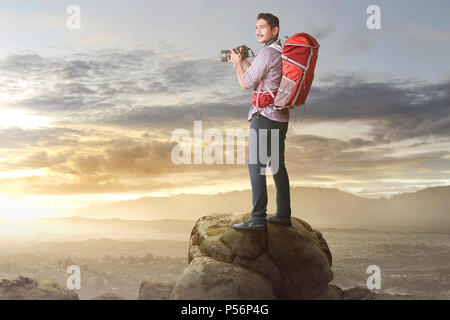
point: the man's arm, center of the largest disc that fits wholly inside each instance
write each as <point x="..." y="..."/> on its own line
<point x="240" y="72"/>
<point x="237" y="60"/>
<point x="255" y="72"/>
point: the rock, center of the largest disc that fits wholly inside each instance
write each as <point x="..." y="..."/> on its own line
<point x="155" y="290"/>
<point x="25" y="288"/>
<point x="331" y="293"/>
<point x="245" y="245"/>
<point x="215" y="248"/>
<point x="264" y="265"/>
<point x="108" y="296"/>
<point x="298" y="253"/>
<point x="209" y="279"/>
<point x="360" y="293"/>
<point x="282" y="263"/>
<point x="206" y="227"/>
<point x="324" y="246"/>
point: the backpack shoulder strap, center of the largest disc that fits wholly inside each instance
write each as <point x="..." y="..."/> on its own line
<point x="277" y="47"/>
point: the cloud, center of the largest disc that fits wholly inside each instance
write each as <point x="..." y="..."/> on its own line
<point x="113" y="112"/>
<point x="169" y="118"/>
<point x="149" y="89"/>
<point x="104" y="161"/>
<point x="112" y="79"/>
<point x="41" y="159"/>
<point x="16" y="138"/>
<point x="396" y="110"/>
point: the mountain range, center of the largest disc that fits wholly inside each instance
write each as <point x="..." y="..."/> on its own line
<point x="323" y="207"/>
<point x="172" y="218"/>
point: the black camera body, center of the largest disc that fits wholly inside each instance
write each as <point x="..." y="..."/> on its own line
<point x="243" y="49"/>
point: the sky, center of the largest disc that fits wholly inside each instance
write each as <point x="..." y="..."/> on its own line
<point x="87" y="115"/>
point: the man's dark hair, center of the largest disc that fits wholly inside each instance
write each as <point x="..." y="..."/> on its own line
<point x="271" y="20"/>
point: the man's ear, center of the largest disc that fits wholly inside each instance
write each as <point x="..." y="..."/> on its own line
<point x="277" y="29"/>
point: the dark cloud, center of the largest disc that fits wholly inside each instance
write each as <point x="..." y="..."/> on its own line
<point x="42" y="159"/>
<point x="169" y="118"/>
<point x="119" y="87"/>
<point x="187" y="74"/>
<point x="309" y="156"/>
<point x="313" y="148"/>
<point x="106" y="79"/>
<point x="396" y="110"/>
<point x="26" y="63"/>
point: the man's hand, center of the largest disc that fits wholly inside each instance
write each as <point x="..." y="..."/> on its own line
<point x="235" y="58"/>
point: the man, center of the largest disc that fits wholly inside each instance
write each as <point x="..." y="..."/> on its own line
<point x="264" y="74"/>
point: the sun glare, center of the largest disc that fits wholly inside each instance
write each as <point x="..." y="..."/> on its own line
<point x="22" y="119"/>
<point x="18" y="210"/>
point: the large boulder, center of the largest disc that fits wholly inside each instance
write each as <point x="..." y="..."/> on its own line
<point x="207" y="278"/>
<point x="281" y="263"/>
<point x="25" y="288"/>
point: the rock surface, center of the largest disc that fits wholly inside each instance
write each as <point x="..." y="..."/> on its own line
<point x="108" y="296"/>
<point x="282" y="263"/>
<point x="25" y="288"/>
<point x="155" y="290"/>
<point x="360" y="293"/>
<point x="206" y="278"/>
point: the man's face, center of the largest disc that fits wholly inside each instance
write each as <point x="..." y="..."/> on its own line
<point x="264" y="32"/>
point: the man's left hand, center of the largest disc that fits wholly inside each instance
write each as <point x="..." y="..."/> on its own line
<point x="235" y="58"/>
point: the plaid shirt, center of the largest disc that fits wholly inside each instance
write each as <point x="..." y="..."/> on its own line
<point x="266" y="66"/>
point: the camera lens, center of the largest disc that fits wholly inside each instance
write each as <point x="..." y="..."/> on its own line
<point x="224" y="55"/>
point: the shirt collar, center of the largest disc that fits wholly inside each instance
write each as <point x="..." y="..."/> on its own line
<point x="271" y="41"/>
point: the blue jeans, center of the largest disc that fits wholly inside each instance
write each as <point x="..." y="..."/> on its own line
<point x="258" y="180"/>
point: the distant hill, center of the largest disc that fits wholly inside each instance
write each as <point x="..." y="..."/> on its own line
<point x="97" y="248"/>
<point x="324" y="207"/>
<point x="79" y="228"/>
<point x="148" y="218"/>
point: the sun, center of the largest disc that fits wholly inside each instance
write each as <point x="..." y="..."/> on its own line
<point x="21" y="118"/>
<point x="17" y="210"/>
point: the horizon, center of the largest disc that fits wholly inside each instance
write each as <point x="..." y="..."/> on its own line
<point x="436" y="223"/>
<point x="199" y="194"/>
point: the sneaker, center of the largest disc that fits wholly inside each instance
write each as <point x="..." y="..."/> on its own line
<point x="282" y="221"/>
<point x="250" y="225"/>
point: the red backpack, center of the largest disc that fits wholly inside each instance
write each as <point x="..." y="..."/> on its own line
<point x="299" y="56"/>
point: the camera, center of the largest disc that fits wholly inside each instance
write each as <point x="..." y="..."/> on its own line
<point x="225" y="54"/>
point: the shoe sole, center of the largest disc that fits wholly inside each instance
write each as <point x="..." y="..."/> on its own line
<point x="283" y="223"/>
<point x="251" y="229"/>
